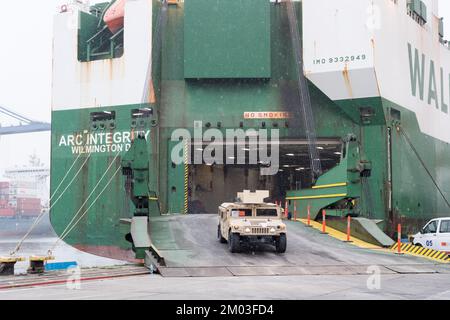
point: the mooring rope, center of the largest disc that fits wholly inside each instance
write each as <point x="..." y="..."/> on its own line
<point x="303" y="90"/>
<point x="158" y="39"/>
<point x="42" y="214"/>
<point x="85" y="212"/>
<point x="64" y="178"/>
<point x="408" y="140"/>
<point x="70" y="183"/>
<point x="90" y="195"/>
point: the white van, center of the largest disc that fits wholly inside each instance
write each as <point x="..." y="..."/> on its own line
<point x="435" y="235"/>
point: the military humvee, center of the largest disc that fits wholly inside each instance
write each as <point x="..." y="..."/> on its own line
<point x="251" y="221"/>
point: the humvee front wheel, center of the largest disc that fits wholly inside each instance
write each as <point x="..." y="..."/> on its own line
<point x="234" y="242"/>
<point x="219" y="235"/>
<point x="281" y="244"/>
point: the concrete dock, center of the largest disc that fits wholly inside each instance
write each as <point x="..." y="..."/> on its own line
<point x="315" y="266"/>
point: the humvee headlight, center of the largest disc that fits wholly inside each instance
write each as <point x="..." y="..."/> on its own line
<point x="247" y="230"/>
<point x="272" y="230"/>
<point x="236" y="227"/>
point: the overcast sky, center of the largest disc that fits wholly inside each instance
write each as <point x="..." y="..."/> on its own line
<point x="25" y="72"/>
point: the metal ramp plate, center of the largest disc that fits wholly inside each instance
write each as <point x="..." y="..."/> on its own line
<point x="413" y="269"/>
<point x="61" y="277"/>
<point x="195" y="272"/>
<point x="375" y="232"/>
<point x="139" y="232"/>
<point x="190" y="248"/>
<point x="443" y="268"/>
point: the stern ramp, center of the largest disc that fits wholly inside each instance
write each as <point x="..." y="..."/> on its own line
<point x="187" y="246"/>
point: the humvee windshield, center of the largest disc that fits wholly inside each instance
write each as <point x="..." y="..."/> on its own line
<point x="266" y="213"/>
<point x="237" y="213"/>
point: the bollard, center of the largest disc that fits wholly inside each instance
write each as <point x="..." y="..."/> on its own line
<point x="7" y="265"/>
<point x="324" y="223"/>
<point x="349" y="219"/>
<point x="399" y="239"/>
<point x="37" y="264"/>
<point x="309" y="217"/>
<point x="295" y="210"/>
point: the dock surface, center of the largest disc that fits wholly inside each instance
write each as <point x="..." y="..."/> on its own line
<point x="315" y="266"/>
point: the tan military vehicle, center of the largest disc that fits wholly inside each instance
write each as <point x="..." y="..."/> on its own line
<point x="251" y="221"/>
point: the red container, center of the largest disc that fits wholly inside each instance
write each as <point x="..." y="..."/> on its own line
<point x="7" y="213"/>
<point x="28" y="202"/>
<point x="28" y="207"/>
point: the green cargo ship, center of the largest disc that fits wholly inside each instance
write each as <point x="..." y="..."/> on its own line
<point x="378" y="77"/>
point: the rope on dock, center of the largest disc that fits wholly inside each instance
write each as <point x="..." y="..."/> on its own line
<point x="66" y="233"/>
<point x="422" y="162"/>
<point x="64" y="178"/>
<point x="41" y="215"/>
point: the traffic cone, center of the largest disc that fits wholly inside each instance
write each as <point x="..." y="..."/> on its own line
<point x="349" y="219"/>
<point x="324" y="222"/>
<point x="399" y="240"/>
<point x="309" y="217"/>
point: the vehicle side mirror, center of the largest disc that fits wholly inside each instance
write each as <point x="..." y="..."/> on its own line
<point x="422" y="231"/>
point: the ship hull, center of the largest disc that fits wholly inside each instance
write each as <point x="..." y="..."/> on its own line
<point x="400" y="189"/>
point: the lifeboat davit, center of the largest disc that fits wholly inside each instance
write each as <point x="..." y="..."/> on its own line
<point x="114" y="16"/>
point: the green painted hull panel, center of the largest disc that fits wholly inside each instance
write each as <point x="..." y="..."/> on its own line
<point x="415" y="199"/>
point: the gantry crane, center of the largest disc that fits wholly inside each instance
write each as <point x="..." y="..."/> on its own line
<point x="25" y="125"/>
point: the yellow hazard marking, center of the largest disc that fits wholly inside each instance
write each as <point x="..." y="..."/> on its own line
<point x="429" y="253"/>
<point x="341" y="235"/>
<point x="11" y="259"/>
<point x="415" y="250"/>
<point x="323" y="196"/>
<point x="332" y="185"/>
<point x="418" y="251"/>
<point x="38" y="258"/>
<point x="434" y="254"/>
<point x="407" y="248"/>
